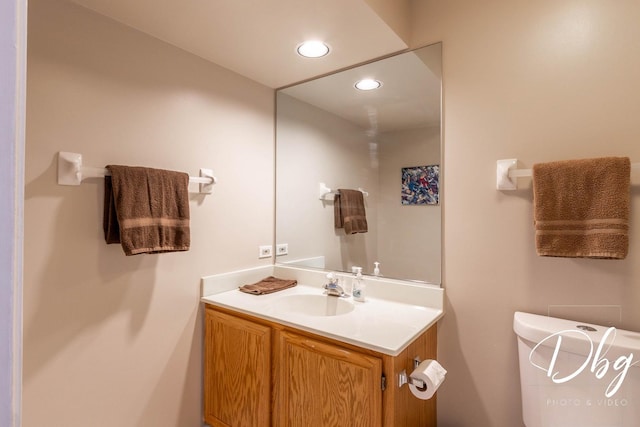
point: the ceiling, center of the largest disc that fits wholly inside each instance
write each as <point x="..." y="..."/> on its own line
<point x="258" y="38"/>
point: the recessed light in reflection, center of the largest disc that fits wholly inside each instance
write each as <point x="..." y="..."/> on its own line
<point x="368" y="84"/>
<point x="313" y="49"/>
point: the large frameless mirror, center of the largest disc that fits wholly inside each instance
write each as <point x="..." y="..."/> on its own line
<point x="385" y="142"/>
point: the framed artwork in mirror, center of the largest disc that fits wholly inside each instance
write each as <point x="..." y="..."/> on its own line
<point x="420" y="185"/>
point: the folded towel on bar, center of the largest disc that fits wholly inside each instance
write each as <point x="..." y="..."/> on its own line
<point x="146" y="210"/>
<point x="268" y="285"/>
<point x="349" y="212"/>
<point x="581" y="208"/>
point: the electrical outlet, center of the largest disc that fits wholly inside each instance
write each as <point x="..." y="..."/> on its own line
<point x="265" y="251"/>
<point x="282" y="249"/>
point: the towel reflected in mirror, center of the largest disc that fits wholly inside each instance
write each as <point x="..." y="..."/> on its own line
<point x="349" y="211"/>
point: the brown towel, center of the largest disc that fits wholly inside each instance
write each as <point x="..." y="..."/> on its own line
<point x="268" y="285"/>
<point x="581" y="208"/>
<point x="146" y="210"/>
<point x="349" y="212"/>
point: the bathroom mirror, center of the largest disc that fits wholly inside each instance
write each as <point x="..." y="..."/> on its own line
<point x="387" y="143"/>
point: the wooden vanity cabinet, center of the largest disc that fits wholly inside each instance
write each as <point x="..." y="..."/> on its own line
<point x="259" y="373"/>
<point x="321" y="384"/>
<point x="237" y="371"/>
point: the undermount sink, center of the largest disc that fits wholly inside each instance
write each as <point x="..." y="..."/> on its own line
<point x="314" y="305"/>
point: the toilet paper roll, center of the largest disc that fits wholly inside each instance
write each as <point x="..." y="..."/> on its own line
<point x="432" y="374"/>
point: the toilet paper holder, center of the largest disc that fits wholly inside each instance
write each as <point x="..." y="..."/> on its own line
<point x="403" y="378"/>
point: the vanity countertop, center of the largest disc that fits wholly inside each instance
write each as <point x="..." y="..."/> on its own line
<point x="378" y="324"/>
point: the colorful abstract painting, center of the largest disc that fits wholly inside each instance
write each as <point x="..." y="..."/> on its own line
<point x="420" y="185"/>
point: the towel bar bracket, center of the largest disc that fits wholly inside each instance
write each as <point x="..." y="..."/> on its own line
<point x="69" y="168"/>
<point x="207" y="186"/>
<point x="503" y="180"/>
<point x="323" y="190"/>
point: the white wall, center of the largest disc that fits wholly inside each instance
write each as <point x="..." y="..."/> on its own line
<point x="12" y="74"/>
<point x="408" y="235"/>
<point x="540" y="81"/>
<point x="111" y="340"/>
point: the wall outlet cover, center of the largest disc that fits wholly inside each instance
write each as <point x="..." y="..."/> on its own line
<point x="265" y="251"/>
<point x="282" y="249"/>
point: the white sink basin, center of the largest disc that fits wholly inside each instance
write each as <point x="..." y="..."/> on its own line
<point x="313" y="305"/>
<point x="383" y="325"/>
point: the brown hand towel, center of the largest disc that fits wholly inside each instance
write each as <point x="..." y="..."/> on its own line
<point x="146" y="210"/>
<point x="268" y="285"/>
<point x="581" y="208"/>
<point x="349" y="212"/>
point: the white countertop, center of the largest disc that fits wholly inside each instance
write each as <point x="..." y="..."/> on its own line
<point x="382" y="325"/>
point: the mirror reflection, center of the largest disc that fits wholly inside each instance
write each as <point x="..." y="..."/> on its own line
<point x="386" y="144"/>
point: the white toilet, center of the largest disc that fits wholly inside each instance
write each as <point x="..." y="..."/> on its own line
<point x="575" y="374"/>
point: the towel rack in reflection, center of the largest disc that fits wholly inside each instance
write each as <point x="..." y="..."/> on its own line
<point x="507" y="175"/>
<point x="72" y="172"/>
<point x="324" y="191"/>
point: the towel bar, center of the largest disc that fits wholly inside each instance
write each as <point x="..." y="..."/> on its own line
<point x="323" y="191"/>
<point x="507" y="174"/>
<point x="72" y="172"/>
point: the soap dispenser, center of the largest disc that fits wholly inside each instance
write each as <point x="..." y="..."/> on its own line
<point x="352" y="283"/>
<point x="376" y="269"/>
<point x="358" y="286"/>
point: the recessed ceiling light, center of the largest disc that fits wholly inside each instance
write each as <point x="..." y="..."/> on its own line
<point x="313" y="49"/>
<point x="368" y="84"/>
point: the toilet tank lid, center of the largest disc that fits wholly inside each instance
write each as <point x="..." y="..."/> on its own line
<point x="577" y="337"/>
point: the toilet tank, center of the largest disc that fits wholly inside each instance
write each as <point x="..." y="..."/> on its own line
<point x="576" y="374"/>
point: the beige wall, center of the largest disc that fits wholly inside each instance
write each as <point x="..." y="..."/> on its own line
<point x="540" y="81"/>
<point x="111" y="340"/>
<point x="407" y="233"/>
<point x="396" y="14"/>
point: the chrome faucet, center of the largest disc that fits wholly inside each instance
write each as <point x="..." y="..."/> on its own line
<point x="333" y="288"/>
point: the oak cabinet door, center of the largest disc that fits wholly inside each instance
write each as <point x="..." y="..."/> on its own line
<point x="237" y="372"/>
<point x="324" y="385"/>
